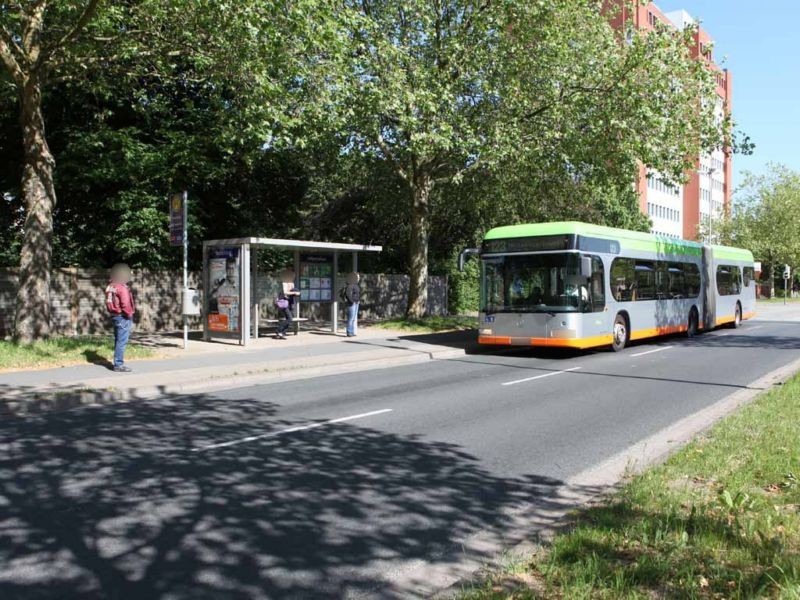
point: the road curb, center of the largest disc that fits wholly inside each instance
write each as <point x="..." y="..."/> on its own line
<point x="36" y="401"/>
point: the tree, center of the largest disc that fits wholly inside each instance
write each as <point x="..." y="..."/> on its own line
<point x="247" y="57"/>
<point x="765" y="219"/>
<point x="28" y="51"/>
<point x="440" y="88"/>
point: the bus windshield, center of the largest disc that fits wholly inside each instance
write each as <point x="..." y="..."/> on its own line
<point x="549" y="283"/>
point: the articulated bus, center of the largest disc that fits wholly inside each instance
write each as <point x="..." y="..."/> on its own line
<point x="576" y="285"/>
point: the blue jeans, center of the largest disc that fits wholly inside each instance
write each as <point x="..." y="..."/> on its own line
<point x="352" y="316"/>
<point x="122" y="331"/>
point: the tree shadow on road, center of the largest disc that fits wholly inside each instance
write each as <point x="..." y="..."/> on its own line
<point x="115" y="503"/>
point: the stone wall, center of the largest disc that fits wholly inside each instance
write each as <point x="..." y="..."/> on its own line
<point x="78" y="302"/>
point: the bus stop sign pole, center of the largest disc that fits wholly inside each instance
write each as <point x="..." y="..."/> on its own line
<point x="185" y="264"/>
<point x="787" y="273"/>
<point x="179" y="236"/>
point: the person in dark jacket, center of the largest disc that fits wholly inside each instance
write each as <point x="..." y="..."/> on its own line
<point x="352" y="294"/>
<point x="285" y="303"/>
<point x="120" y="305"/>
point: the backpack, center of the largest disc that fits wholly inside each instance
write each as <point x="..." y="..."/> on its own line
<point x="343" y="294"/>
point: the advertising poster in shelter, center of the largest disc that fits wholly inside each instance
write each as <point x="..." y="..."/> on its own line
<point x="316" y="277"/>
<point x="224" y="289"/>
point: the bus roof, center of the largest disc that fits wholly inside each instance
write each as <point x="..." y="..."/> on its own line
<point x="632" y="240"/>
<point x="732" y="253"/>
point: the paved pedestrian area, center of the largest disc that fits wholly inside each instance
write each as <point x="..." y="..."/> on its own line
<point x="210" y="365"/>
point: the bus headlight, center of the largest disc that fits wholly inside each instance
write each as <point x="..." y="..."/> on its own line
<point x="486" y="332"/>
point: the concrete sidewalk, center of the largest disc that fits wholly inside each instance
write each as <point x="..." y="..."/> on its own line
<point x="207" y="366"/>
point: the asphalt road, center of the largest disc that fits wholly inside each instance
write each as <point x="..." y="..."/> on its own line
<point x="334" y="486"/>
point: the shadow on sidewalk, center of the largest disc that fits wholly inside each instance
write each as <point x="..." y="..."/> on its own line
<point x="114" y="503"/>
<point x="94" y="358"/>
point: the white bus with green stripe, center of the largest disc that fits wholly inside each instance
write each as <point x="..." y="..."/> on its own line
<point x="576" y="285"/>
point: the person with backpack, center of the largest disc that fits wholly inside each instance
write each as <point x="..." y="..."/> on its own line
<point x="352" y="298"/>
<point x="121" y="307"/>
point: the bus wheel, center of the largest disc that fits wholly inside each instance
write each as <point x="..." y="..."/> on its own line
<point x="691" y="328"/>
<point x="737" y="317"/>
<point x="620" y="335"/>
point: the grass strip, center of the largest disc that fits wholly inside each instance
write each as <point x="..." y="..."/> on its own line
<point x="777" y="300"/>
<point x="430" y="324"/>
<point x="720" y="519"/>
<point x="63" y="351"/>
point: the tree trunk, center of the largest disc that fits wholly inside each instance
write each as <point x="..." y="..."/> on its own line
<point x="418" y="248"/>
<point x="33" y="295"/>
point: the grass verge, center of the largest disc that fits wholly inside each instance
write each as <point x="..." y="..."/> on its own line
<point x="62" y="351"/>
<point x="777" y="300"/>
<point x="720" y="519"/>
<point x="430" y="324"/>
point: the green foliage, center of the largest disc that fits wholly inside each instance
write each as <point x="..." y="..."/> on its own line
<point x="311" y="119"/>
<point x="548" y="89"/>
<point x="154" y="96"/>
<point x="463" y="294"/>
<point x="765" y="219"/>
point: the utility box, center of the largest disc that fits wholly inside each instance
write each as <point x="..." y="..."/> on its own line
<point x="190" y="301"/>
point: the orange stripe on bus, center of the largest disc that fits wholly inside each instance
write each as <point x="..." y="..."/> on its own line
<point x="494" y="339"/>
<point x="640" y="334"/>
<point x="724" y="320"/>
<point x="579" y="343"/>
<point x="749" y="315"/>
<point x="583" y="343"/>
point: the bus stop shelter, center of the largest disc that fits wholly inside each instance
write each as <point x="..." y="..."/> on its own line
<point x="230" y="281"/>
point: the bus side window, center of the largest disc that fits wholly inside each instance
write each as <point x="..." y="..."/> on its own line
<point x="622" y="279"/>
<point x="645" y="280"/>
<point x="729" y="280"/>
<point x="736" y="280"/>
<point x="692" y="280"/>
<point x="723" y="280"/>
<point x="677" y="281"/>
<point x="597" y="285"/>
<point x="749" y="276"/>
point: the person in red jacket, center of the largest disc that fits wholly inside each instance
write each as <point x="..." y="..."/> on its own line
<point x="119" y="302"/>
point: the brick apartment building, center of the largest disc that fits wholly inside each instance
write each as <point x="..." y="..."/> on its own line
<point x="678" y="211"/>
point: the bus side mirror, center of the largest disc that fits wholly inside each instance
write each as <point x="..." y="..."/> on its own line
<point x="586" y="267"/>
<point x="462" y="257"/>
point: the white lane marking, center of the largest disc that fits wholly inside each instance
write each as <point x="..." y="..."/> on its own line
<point x="651" y="351"/>
<point x="541" y="376"/>
<point x="253" y="438"/>
<point x="752" y="328"/>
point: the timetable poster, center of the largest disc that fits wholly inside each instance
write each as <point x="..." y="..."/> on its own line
<point x="316" y="277"/>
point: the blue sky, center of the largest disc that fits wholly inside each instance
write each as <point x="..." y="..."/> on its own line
<point x="760" y="42"/>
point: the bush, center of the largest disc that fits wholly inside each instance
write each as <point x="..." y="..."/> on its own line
<point x="463" y="293"/>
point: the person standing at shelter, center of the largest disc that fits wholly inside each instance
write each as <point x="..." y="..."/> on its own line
<point x="285" y="303"/>
<point x="120" y="305"/>
<point x="352" y="294"/>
